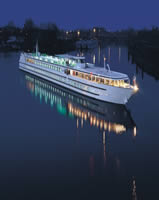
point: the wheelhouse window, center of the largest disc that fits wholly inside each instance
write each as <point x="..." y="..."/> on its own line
<point x="127" y="81"/>
<point x="82" y="61"/>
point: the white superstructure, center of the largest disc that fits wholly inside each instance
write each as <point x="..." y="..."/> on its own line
<point x="73" y="73"/>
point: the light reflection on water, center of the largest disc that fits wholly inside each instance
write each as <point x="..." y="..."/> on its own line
<point x="98" y="54"/>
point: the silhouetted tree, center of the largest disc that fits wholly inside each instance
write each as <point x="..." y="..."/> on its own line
<point x="29" y="24"/>
<point x="11" y="24"/>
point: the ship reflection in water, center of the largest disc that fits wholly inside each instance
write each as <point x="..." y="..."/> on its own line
<point x="105" y="116"/>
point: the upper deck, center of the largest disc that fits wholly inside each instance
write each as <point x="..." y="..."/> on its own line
<point x="78" y="63"/>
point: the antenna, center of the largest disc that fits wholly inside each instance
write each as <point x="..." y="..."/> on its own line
<point x="37" y="48"/>
<point x="104" y="61"/>
<point x="108" y="67"/>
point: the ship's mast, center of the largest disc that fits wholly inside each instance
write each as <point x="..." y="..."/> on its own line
<point x="37" y="48"/>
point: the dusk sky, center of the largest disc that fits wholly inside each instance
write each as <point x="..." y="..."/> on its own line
<point x="72" y="14"/>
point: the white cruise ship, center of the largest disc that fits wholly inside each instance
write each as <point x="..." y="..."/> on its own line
<point x="72" y="72"/>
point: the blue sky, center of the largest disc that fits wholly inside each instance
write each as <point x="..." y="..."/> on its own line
<point x="72" y="14"/>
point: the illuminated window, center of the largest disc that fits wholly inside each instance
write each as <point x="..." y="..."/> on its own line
<point x="102" y="80"/>
<point x="97" y="79"/>
<point x="86" y="77"/>
<point x="106" y="81"/>
<point x="93" y="78"/>
<point x="116" y="83"/>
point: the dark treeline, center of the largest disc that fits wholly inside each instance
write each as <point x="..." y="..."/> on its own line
<point x="143" y="45"/>
<point x="48" y="36"/>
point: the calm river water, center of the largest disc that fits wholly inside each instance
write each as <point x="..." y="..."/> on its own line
<point x="55" y="144"/>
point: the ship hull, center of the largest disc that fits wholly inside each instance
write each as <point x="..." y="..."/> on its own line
<point x="105" y="93"/>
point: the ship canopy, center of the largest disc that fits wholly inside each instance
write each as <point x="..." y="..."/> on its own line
<point x="66" y="56"/>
